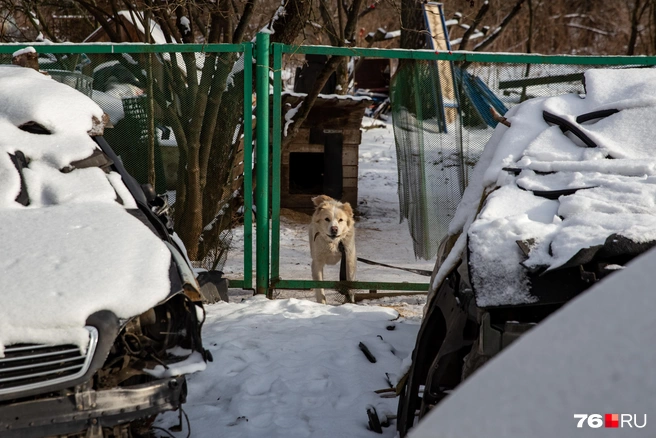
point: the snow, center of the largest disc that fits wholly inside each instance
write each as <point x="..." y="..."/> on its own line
<point x="192" y="364"/>
<point x="158" y="37"/>
<point x="615" y="196"/>
<point x="23" y="51"/>
<point x="184" y="22"/>
<point x="69" y="140"/>
<point x="330" y="96"/>
<point x="393" y="34"/>
<point x="61" y="264"/>
<point x="467" y="209"/>
<point x="73" y="250"/>
<point x="111" y="105"/>
<point x="105" y="65"/>
<point x="280" y="12"/>
<point x="289" y="117"/>
<point x="588" y="358"/>
<point x="292" y="368"/>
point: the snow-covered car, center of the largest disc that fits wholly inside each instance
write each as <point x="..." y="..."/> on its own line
<point x="588" y="367"/>
<point x="560" y="199"/>
<point x="100" y="312"/>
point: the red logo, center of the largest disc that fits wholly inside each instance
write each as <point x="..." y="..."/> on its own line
<point x="612" y="420"/>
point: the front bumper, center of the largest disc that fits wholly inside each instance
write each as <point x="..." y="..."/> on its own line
<point x="106" y="408"/>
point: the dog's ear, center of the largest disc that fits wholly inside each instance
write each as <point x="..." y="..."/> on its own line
<point x="318" y="200"/>
<point x="347" y="209"/>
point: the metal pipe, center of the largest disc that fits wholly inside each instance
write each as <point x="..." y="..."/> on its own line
<point x="276" y="162"/>
<point x="262" y="162"/>
<point x="248" y="166"/>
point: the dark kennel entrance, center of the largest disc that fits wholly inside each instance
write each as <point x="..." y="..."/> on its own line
<point x="305" y="172"/>
<point x="318" y="172"/>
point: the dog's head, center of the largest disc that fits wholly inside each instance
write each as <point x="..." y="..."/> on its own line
<point x="332" y="218"/>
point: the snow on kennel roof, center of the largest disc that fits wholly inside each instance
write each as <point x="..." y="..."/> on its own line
<point x="607" y="189"/>
<point x="73" y="250"/>
<point x="331" y="96"/>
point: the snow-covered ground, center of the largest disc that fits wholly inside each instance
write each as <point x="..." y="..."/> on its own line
<point x="293" y="368"/>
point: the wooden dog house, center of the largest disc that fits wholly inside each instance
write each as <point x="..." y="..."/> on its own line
<point x="323" y="157"/>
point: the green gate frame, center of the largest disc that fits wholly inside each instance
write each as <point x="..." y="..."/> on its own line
<point x="137" y="48"/>
<point x="279" y="50"/>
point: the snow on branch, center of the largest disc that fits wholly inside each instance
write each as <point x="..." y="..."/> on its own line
<point x="590" y="29"/>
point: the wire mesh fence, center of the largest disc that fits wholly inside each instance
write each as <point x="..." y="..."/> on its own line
<point x="179" y="119"/>
<point x="444" y="108"/>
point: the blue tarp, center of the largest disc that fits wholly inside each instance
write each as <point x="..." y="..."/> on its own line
<point x="481" y="97"/>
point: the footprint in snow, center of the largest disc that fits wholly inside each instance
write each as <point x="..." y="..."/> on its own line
<point x="258" y="385"/>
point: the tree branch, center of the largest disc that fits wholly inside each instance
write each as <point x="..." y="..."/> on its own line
<point x="309" y="100"/>
<point x="329" y="26"/>
<point x="352" y="20"/>
<point x="102" y="18"/>
<point x="289" y="26"/>
<point x="502" y="26"/>
<point x="477" y="20"/>
<point x="244" y="21"/>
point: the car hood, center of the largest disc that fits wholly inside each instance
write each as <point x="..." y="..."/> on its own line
<point x="70" y="246"/>
<point x="62" y="263"/>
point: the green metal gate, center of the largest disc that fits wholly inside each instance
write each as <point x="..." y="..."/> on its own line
<point x="267" y="280"/>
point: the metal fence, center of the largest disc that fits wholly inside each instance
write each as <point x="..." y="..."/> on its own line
<point x="440" y="106"/>
<point x="442" y="120"/>
<point x="152" y="95"/>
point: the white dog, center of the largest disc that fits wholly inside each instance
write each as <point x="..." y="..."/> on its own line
<point x="332" y="224"/>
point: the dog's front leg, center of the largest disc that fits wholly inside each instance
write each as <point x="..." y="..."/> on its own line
<point x="317" y="275"/>
<point x="351" y="264"/>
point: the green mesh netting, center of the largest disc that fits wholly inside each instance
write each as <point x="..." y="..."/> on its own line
<point x="429" y="152"/>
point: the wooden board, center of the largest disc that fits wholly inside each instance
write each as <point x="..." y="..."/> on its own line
<point x="304" y="200"/>
<point x="349" y="155"/>
<point x="350" y="171"/>
<point x="351" y="137"/>
<point x="350" y="182"/>
<point x="340" y="114"/>
<point x="350" y="195"/>
<point x="438" y="35"/>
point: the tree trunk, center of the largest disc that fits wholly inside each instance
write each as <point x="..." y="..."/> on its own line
<point x="472" y="28"/>
<point x="217" y="208"/>
<point x="342" y="76"/>
<point x="413" y="33"/>
<point x="636" y="14"/>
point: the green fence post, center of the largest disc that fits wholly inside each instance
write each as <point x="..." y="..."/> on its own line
<point x="248" y="166"/>
<point x="262" y="162"/>
<point x="275" y="163"/>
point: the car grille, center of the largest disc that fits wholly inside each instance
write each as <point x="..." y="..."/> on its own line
<point x="30" y="366"/>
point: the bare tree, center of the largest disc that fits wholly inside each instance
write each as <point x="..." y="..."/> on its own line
<point x="638" y="8"/>
<point x="348" y="32"/>
<point x="198" y="104"/>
